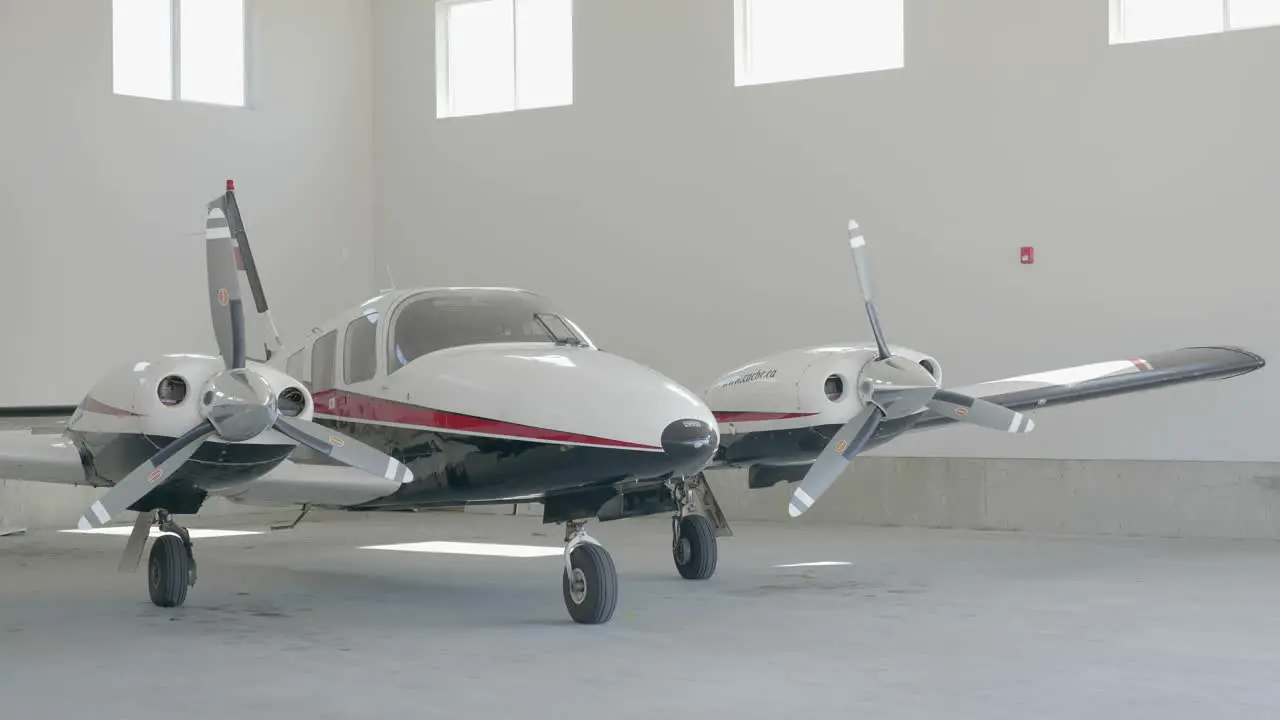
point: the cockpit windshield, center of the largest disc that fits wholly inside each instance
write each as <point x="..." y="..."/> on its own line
<point x="449" y="319"/>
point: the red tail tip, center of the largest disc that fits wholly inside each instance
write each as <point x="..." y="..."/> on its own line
<point x="231" y="185"/>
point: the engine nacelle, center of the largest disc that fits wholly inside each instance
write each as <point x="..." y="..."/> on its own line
<point x="800" y="388"/>
<point x="162" y="397"/>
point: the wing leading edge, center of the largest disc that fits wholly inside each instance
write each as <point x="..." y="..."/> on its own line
<point x="40" y="457"/>
<point x="32" y="447"/>
<point x="1109" y="378"/>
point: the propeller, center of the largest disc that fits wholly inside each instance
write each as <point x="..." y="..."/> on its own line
<point x="236" y="404"/>
<point x="891" y="386"/>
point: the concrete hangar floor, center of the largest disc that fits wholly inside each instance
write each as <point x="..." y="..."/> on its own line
<point x="312" y="623"/>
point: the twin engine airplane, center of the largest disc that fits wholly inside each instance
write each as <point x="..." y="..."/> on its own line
<point x="448" y="397"/>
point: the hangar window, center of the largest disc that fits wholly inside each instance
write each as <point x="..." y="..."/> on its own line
<point x="324" y="352"/>
<point x="1143" y="20"/>
<point x="782" y="40"/>
<point x="503" y="55"/>
<point x="193" y="50"/>
<point x="360" y="350"/>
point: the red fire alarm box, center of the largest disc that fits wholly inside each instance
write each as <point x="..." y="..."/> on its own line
<point x="1028" y="255"/>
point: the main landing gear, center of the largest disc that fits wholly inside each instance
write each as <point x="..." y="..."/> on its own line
<point x="590" y="583"/>
<point x="171" y="568"/>
<point x="694" y="527"/>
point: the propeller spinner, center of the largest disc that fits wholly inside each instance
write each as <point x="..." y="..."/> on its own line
<point x="891" y="386"/>
<point x="236" y="404"/>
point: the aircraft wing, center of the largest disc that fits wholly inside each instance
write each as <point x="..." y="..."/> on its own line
<point x="1105" y="379"/>
<point x="32" y="447"/>
<point x="320" y="484"/>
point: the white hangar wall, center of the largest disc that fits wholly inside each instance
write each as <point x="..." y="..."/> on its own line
<point x="102" y="197"/>
<point x="695" y="225"/>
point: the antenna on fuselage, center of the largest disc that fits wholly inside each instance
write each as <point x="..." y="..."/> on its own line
<point x="390" y="277"/>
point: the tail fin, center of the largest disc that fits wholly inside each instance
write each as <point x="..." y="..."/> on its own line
<point x="223" y="220"/>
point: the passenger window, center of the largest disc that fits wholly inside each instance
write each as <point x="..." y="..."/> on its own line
<point x="359" y="354"/>
<point x="323" y="354"/>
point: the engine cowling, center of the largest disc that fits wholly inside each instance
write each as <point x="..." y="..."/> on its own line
<point x="161" y="397"/>
<point x="798" y="388"/>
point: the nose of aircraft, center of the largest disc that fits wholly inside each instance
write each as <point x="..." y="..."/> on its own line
<point x="587" y="396"/>
<point x="689" y="443"/>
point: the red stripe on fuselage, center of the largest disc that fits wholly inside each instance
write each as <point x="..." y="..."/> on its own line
<point x="365" y="408"/>
<point x="725" y="416"/>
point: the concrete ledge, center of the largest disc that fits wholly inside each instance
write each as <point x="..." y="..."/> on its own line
<point x="1142" y="498"/>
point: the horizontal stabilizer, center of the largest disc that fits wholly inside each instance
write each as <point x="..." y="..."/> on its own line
<point x="320" y="485"/>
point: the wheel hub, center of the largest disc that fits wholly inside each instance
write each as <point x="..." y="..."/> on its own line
<point x="684" y="549"/>
<point x="577" y="586"/>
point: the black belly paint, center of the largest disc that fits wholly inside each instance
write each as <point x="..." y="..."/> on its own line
<point x="450" y="469"/>
<point x="214" y="465"/>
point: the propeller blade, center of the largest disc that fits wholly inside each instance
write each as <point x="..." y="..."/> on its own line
<point x="976" y="411"/>
<point x="344" y="449"/>
<point x="146" y="477"/>
<point x="225" y="304"/>
<point x="858" y="244"/>
<point x="835" y="457"/>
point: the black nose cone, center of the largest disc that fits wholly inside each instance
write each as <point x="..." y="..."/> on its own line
<point x="691" y="443"/>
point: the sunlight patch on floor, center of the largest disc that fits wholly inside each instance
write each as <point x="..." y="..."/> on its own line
<point x="466" y="548"/>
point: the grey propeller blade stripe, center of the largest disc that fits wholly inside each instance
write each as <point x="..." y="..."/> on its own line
<point x="237" y="333"/>
<point x="224" y="290"/>
<point x="979" y="412"/>
<point x="344" y="449"/>
<point x="236" y="224"/>
<point x="835" y="457"/>
<point x="861" y="264"/>
<point x="152" y="473"/>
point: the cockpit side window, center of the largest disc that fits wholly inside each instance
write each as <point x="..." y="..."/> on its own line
<point x="360" y="352"/>
<point x="324" y="362"/>
<point x="437" y="322"/>
<point x="296" y="367"/>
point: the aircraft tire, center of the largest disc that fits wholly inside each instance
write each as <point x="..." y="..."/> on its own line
<point x="594" y="600"/>
<point x="168" y="571"/>
<point x="695" y="551"/>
